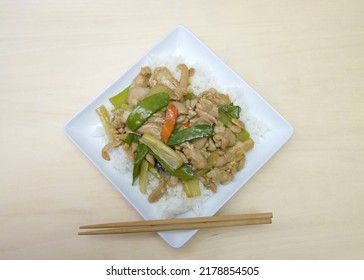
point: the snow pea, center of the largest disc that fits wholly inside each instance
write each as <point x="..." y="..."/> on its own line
<point x="147" y="107"/>
<point x="190" y="133"/>
<point x="131" y="137"/>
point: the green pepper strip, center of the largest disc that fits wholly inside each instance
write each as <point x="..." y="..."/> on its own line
<point x="190" y="133"/>
<point x="140" y="153"/>
<point x="147" y="107"/>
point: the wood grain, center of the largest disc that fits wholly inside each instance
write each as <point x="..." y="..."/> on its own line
<point x="306" y="58"/>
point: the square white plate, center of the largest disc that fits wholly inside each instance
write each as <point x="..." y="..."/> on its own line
<point x="180" y="42"/>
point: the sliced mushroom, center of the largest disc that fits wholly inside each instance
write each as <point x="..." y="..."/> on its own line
<point x="185" y="76"/>
<point x="158" y="192"/>
<point x="107" y="147"/>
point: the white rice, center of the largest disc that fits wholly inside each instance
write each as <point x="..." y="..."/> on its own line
<point x="175" y="201"/>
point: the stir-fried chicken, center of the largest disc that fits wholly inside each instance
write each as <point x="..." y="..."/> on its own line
<point x="139" y="87"/>
<point x="162" y="75"/>
<point x="215" y="158"/>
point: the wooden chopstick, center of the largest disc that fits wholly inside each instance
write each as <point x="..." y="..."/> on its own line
<point x="179" y="224"/>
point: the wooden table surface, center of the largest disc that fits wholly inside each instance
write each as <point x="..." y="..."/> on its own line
<point x="306" y="58"/>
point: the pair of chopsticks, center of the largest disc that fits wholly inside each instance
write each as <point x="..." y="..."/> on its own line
<point x="179" y="224"/>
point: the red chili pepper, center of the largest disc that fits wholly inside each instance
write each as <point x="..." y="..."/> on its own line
<point x="169" y="123"/>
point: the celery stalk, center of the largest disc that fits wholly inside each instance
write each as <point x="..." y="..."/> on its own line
<point x="155" y="172"/>
<point x="243" y="135"/>
<point x="143" y="177"/>
<point x="166" y="155"/>
<point x="191" y="187"/>
<point x="120" y="98"/>
<point x="105" y="119"/>
<point x="140" y="153"/>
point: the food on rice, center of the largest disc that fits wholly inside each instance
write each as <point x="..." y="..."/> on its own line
<point x="183" y="139"/>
